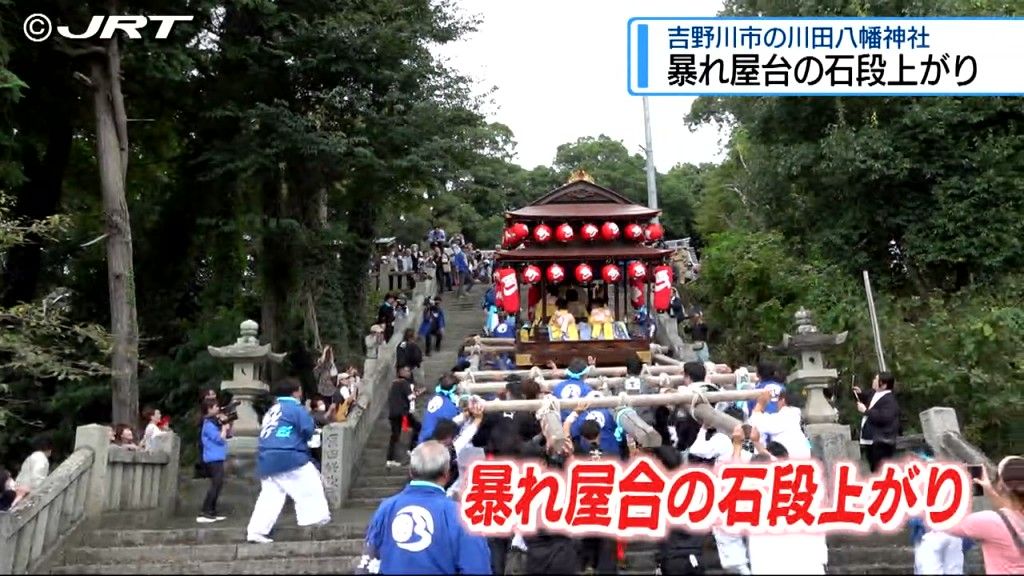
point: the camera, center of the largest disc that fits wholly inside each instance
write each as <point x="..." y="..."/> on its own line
<point x="230" y="412"/>
<point x="748" y="444"/>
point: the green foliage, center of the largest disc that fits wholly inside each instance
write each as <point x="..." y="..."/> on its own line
<point x="964" y="350"/>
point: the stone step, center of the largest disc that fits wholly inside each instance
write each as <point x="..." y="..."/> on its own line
<point x="363" y="503"/>
<point x="188" y="553"/>
<point x="291" y="565"/>
<point x="371" y="492"/>
<point x="381" y="481"/>
<point x="221" y="533"/>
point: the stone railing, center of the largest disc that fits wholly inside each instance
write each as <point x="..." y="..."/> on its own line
<point x="343" y="443"/>
<point x="941" y="430"/>
<point x="96" y="478"/>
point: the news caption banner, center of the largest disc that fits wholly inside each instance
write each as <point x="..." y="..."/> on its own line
<point x="640" y="499"/>
<point x="669" y="56"/>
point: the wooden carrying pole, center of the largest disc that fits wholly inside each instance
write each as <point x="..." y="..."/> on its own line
<point x="699" y="406"/>
<point x="493" y="375"/>
<point x="546" y="385"/>
<point x="668" y="399"/>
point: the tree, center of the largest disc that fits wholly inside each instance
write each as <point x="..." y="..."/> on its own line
<point x="608" y="162"/>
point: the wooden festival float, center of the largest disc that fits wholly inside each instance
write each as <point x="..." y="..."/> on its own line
<point x="585" y="244"/>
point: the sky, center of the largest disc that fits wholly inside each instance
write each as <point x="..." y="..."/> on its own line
<point x="559" y="69"/>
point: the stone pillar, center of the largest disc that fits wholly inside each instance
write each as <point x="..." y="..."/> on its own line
<point x="168" y="498"/>
<point x="96" y="438"/>
<point x="937" y="421"/>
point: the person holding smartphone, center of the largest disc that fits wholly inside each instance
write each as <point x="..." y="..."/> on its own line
<point x="1000" y="531"/>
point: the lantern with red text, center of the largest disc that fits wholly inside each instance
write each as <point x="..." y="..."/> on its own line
<point x="584" y="274"/>
<point x="522" y="231"/>
<point x="636" y="270"/>
<point x="589" y="232"/>
<point x="634" y="232"/>
<point x="653" y="232"/>
<point x="556" y="274"/>
<point x="531" y="274"/>
<point x="508" y="290"/>
<point x="542" y="233"/>
<point x="662" y="288"/>
<point x="611" y="273"/>
<point x="636" y="294"/>
<point x="509" y="239"/>
<point x="610" y="231"/>
<point x="564" y="233"/>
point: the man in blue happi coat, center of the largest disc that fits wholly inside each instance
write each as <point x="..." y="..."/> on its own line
<point x="419" y="530"/>
<point x="574" y="385"/>
<point x="767" y="379"/>
<point x="444" y="405"/>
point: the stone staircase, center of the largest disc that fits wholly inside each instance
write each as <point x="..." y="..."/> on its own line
<point x="123" y="544"/>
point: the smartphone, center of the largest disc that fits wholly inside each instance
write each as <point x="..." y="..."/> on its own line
<point x="976" y="474"/>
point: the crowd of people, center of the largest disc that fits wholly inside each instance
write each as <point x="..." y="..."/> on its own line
<point x="455" y="432"/>
<point x="419" y="530"/>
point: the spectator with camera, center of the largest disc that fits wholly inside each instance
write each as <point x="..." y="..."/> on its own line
<point x="213" y="436"/>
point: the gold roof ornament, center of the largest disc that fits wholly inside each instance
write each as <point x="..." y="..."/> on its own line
<point x="578" y="175"/>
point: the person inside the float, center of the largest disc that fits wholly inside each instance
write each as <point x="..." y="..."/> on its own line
<point x="562" y="325"/>
<point x="505" y="327"/>
<point x="602" y="321"/>
<point x="575" y="305"/>
<point x="547" y="304"/>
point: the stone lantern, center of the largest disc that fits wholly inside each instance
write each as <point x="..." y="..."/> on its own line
<point x="248" y="357"/>
<point x="831" y="441"/>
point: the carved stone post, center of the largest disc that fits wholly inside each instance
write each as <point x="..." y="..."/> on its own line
<point x="246" y="384"/>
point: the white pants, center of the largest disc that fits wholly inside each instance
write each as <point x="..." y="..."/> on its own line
<point x="795" y="553"/>
<point x="939" y="553"/>
<point x="732" y="552"/>
<point x="306" y="489"/>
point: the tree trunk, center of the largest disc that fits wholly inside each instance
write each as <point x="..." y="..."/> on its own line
<point x="111" y="148"/>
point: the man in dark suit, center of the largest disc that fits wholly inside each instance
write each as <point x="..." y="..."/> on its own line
<point x="880" y="425"/>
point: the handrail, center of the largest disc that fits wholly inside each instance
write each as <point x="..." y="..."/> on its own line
<point x="32" y="529"/>
<point x="343" y="443"/>
<point x="96" y="478"/>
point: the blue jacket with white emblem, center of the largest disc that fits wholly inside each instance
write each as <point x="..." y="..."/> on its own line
<point x="419" y="531"/>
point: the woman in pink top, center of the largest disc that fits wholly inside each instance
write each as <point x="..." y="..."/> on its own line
<point x="1000" y="531"/>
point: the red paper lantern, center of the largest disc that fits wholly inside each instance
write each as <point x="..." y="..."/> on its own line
<point x="556" y="274"/>
<point x="522" y="231"/>
<point x="610" y="231"/>
<point x="564" y="233"/>
<point x="653" y="232"/>
<point x="531" y="274"/>
<point x="636" y="270"/>
<point x="508" y="290"/>
<point x="662" y="287"/>
<point x="634" y="232"/>
<point x="542" y="233"/>
<point x="589" y="232"/>
<point x="509" y="239"/>
<point x="636" y="294"/>
<point x="611" y="273"/>
<point x="584" y="274"/>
